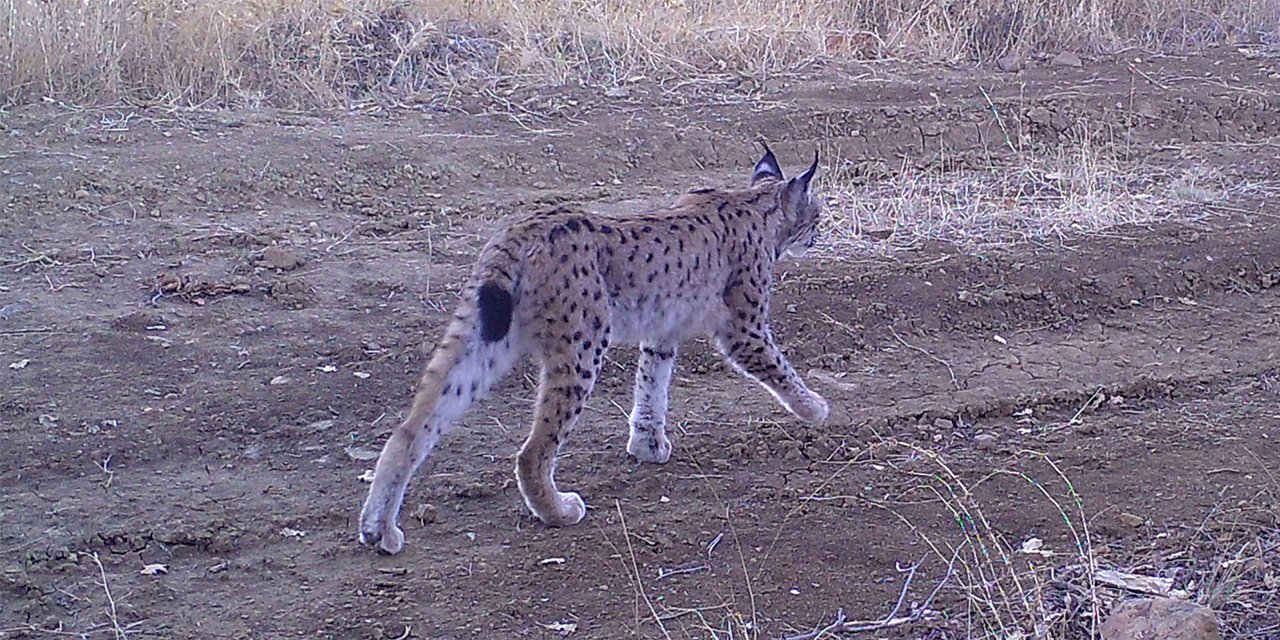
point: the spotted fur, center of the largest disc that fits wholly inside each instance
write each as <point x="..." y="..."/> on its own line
<point x="564" y="286"/>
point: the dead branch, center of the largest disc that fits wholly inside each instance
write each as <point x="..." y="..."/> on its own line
<point x="840" y="625"/>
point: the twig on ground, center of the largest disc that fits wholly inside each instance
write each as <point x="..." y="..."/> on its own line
<point x="954" y="382"/>
<point x="999" y="120"/>
<point x="21" y="332"/>
<point x="1091" y="402"/>
<point x="634" y="569"/>
<point x="1148" y="77"/>
<point x="112" y="616"/>
<point x="666" y="573"/>
<point x="892" y="619"/>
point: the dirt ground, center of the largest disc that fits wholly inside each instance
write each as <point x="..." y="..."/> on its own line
<point x="210" y="320"/>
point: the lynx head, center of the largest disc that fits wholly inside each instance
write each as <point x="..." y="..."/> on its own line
<point x="801" y="210"/>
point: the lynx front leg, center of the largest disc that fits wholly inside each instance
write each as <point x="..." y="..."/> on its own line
<point x="753" y="352"/>
<point x="648" y="442"/>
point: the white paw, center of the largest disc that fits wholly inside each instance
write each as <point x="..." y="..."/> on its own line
<point x="388" y="537"/>
<point x="813" y="409"/>
<point x="392" y="540"/>
<point x="649" y="447"/>
<point x="570" y="509"/>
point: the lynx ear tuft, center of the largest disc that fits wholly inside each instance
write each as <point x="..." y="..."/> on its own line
<point x="767" y="168"/>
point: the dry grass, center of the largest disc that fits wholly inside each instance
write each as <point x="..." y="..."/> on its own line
<point x="1047" y="198"/>
<point x="999" y="587"/>
<point x="327" y="52"/>
<point x="1055" y="589"/>
<point x="1058" y="582"/>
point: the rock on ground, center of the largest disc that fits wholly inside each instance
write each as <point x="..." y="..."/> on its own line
<point x="1161" y="619"/>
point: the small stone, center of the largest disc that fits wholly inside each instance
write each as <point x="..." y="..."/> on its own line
<point x="477" y="489"/>
<point x="933" y="129"/>
<point x="1067" y="59"/>
<point x="985" y="441"/>
<point x="277" y="258"/>
<point x="1131" y="520"/>
<point x="1010" y="63"/>
<point x="1088" y="429"/>
<point x="839" y="416"/>
<point x="617" y="92"/>
<point x="1040" y="116"/>
<point x="1162" y="618"/>
<point x="944" y="423"/>
<point x="425" y="513"/>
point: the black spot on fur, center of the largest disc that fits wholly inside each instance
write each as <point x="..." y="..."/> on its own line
<point x="496" y="306"/>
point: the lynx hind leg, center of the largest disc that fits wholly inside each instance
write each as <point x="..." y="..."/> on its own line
<point x="648" y="421"/>
<point x="569" y="371"/>
<point x="753" y="352"/>
<point x="406" y="449"/>
<point x="444" y="395"/>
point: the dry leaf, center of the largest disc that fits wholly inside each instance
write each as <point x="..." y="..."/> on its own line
<point x="1140" y="584"/>
<point x="360" y="453"/>
<point x="21" y="364"/>
<point x="562" y="628"/>
<point x="1034" y="546"/>
<point x="154" y="570"/>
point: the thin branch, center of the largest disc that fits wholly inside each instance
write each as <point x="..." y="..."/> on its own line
<point x="120" y="633"/>
<point x="635" y="571"/>
<point x="954" y="382"/>
<point x="840" y="625"/>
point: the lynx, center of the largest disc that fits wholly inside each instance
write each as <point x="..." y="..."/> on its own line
<point x="564" y="286"/>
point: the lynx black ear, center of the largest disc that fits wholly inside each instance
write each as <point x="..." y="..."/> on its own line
<point x="797" y="190"/>
<point x="807" y="176"/>
<point x="767" y="168"/>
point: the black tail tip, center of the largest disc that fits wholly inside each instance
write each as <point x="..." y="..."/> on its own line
<point x="496" y="306"/>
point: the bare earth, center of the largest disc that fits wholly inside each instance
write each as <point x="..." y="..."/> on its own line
<point x="211" y="320"/>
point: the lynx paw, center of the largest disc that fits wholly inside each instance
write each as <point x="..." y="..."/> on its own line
<point x="388" y="538"/>
<point x="569" y="510"/>
<point x="812" y="409"/>
<point x="649" y="445"/>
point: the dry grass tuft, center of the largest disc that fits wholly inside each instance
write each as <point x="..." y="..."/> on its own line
<point x="1000" y="587"/>
<point x="1043" y="198"/>
<point x="1062" y="587"/>
<point x="327" y="52"/>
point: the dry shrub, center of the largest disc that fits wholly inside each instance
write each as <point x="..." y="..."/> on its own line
<point x="1043" y="198"/>
<point x="326" y="52"/>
